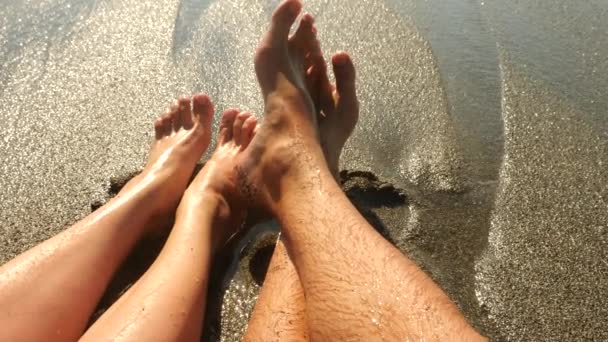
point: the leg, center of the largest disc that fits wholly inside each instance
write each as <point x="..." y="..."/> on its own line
<point x="75" y="266"/>
<point x="168" y="302"/>
<point x="356" y="284"/>
<point x="280" y="312"/>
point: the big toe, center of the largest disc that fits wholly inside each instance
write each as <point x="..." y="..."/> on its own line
<point x="185" y="112"/>
<point x="237" y="127"/>
<point x="271" y="54"/>
<point x="282" y="19"/>
<point x="344" y="71"/>
<point x="226" y="125"/>
<point x="305" y="35"/>
<point x="202" y="110"/>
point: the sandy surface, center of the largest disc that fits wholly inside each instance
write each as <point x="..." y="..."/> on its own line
<point x="490" y="118"/>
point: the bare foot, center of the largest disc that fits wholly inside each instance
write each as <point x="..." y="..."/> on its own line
<point x="289" y="138"/>
<point x="280" y="63"/>
<point x="182" y="135"/>
<point x="218" y="179"/>
<point x="337" y="105"/>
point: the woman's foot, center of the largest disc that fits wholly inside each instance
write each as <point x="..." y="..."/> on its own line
<point x="217" y="183"/>
<point x="166" y="302"/>
<point x="182" y="135"/>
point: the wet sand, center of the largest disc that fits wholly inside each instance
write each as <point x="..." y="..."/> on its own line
<point x="489" y="118"/>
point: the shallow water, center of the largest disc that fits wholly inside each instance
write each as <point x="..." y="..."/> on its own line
<point x="491" y="115"/>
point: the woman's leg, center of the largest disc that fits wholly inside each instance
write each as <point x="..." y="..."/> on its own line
<point x="58" y="283"/>
<point x="168" y="302"/>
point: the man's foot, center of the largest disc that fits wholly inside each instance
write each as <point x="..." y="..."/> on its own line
<point x="337" y="105"/>
<point x="288" y="139"/>
<point x="182" y="135"/>
<point x="281" y="63"/>
<point x="217" y="180"/>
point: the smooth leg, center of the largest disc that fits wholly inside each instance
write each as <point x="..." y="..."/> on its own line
<point x="168" y="302"/>
<point x="58" y="283"/>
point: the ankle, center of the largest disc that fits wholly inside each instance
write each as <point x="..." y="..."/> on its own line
<point x="207" y="212"/>
<point x="302" y="182"/>
<point x="195" y="199"/>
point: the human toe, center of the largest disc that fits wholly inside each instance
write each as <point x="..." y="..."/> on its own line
<point x="185" y="112"/>
<point x="248" y="131"/>
<point x="345" y="73"/>
<point x="238" y="126"/>
<point x="226" y="124"/>
<point x="282" y="19"/>
<point x="202" y="110"/>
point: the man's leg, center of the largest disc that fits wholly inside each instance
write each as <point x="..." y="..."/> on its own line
<point x="280" y="312"/>
<point x="168" y="302"/>
<point x="356" y="284"/>
<point x="58" y="283"/>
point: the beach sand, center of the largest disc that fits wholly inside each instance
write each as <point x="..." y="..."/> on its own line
<point x="489" y="118"/>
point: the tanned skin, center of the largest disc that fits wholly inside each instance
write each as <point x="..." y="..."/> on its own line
<point x="280" y="311"/>
<point x="168" y="302"/>
<point x="357" y="285"/>
<point x="58" y="283"/>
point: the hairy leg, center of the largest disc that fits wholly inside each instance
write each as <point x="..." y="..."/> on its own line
<point x="168" y="302"/>
<point x="356" y="284"/>
<point x="58" y="283"/>
<point x="280" y="312"/>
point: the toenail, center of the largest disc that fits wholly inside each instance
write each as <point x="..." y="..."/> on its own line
<point x="293" y="8"/>
<point x="202" y="100"/>
<point x="340" y="59"/>
<point x="309" y="18"/>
